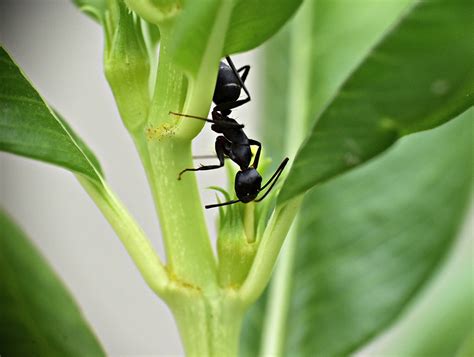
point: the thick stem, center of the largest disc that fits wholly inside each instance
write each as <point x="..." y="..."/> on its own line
<point x="165" y="148"/>
<point x="188" y="250"/>
<point x="209" y="326"/>
<point x="179" y="207"/>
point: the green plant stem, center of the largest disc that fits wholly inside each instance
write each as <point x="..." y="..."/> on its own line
<point x="249" y="221"/>
<point x="208" y="325"/>
<point x="273" y="334"/>
<point x="268" y="250"/>
<point x="208" y="317"/>
<point x="274" y="330"/>
<point x="165" y="148"/>
<point x="130" y="233"/>
<point x="189" y="254"/>
<point x="188" y="250"/>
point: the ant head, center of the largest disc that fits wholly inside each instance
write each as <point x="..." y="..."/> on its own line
<point x="247" y="184"/>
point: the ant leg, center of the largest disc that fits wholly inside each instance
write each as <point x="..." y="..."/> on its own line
<point x="274" y="178"/>
<point x="257" y="155"/>
<point x="241" y="82"/>
<point x="222" y="148"/>
<point x="246" y="70"/>
<point x="202" y="168"/>
<point x="207" y="157"/>
<point x="230" y="105"/>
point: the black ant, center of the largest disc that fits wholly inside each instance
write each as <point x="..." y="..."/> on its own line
<point x="234" y="144"/>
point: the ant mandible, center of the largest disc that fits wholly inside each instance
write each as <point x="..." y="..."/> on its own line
<point x="234" y="143"/>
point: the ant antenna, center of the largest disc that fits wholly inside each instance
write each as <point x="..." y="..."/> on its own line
<point x="274" y="178"/>
<point x="191" y="116"/>
<point x="222" y="204"/>
<point x="228" y="124"/>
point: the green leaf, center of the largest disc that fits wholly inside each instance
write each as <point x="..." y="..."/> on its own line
<point x="157" y="12"/>
<point x="192" y="36"/>
<point x="250" y="24"/>
<point x="81" y="144"/>
<point x="371" y="238"/>
<point x="418" y="77"/>
<point x="94" y="8"/>
<point x="336" y="38"/>
<point x="38" y="316"/>
<point x="255" y="21"/>
<point x="28" y="126"/>
<point x="341" y="37"/>
<point x="439" y="322"/>
<point x="250" y="337"/>
<point x="467" y="347"/>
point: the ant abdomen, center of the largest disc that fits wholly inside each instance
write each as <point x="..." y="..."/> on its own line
<point x="247" y="184"/>
<point x="227" y="86"/>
